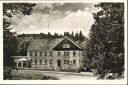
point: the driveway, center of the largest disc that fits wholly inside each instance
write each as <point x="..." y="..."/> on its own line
<point x="64" y="75"/>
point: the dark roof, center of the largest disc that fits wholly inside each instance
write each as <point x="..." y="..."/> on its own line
<point x="43" y="44"/>
<point x="46" y="44"/>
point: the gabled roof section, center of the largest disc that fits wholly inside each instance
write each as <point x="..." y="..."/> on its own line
<point x="70" y="41"/>
<point x="73" y="42"/>
<point x="47" y="44"/>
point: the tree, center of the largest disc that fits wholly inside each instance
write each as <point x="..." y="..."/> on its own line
<point x="106" y="44"/>
<point x="23" y="48"/>
<point x="72" y="35"/>
<point x="9" y="38"/>
<point x="9" y="43"/>
<point x="81" y="37"/>
<point x="49" y="35"/>
<point x="76" y="37"/>
<point x="56" y="35"/>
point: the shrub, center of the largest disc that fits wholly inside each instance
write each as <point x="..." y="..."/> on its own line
<point x="7" y="73"/>
<point x="69" y="70"/>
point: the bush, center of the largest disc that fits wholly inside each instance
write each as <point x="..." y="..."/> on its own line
<point x="7" y="73"/>
<point x="49" y="78"/>
<point x="69" y="70"/>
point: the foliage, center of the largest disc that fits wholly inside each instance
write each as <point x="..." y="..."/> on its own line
<point x="11" y="9"/>
<point x="23" y="48"/>
<point x="10" y="43"/>
<point x="9" y="38"/>
<point x="7" y="72"/>
<point x="106" y="45"/>
<point x="75" y="36"/>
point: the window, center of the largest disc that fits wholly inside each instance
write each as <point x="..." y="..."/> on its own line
<point x="58" y="53"/>
<point x="50" y="61"/>
<point x="36" y="61"/>
<point x="35" y="53"/>
<point x="45" y="54"/>
<point x="66" y="45"/>
<point x="30" y="53"/>
<point x="40" y="62"/>
<point x="74" y="61"/>
<point x="67" y="61"/>
<point x="50" y="53"/>
<point x="24" y="64"/>
<point x="19" y="64"/>
<point x="64" y="61"/>
<point x="66" y="53"/>
<point x="45" y="62"/>
<point x="30" y="61"/>
<point x="40" y="53"/>
<point x="74" y="53"/>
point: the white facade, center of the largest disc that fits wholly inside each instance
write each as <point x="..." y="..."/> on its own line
<point x="63" y="54"/>
<point x="57" y="60"/>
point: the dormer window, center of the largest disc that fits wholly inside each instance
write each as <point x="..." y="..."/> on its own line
<point x="66" y="45"/>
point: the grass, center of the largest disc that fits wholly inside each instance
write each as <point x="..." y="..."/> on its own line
<point x="17" y="75"/>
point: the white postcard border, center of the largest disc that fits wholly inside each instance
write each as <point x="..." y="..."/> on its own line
<point x="123" y="81"/>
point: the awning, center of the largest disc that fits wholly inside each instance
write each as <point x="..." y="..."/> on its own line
<point x="22" y="59"/>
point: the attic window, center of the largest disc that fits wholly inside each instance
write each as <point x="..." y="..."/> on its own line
<point x="66" y="45"/>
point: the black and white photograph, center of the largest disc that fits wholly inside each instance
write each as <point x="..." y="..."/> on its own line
<point x="64" y="40"/>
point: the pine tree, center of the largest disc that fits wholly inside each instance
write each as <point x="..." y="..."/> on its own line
<point x="72" y="35"/>
<point x="76" y="37"/>
<point x="81" y="37"/>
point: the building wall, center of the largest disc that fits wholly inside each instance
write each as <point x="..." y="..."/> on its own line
<point x="70" y="58"/>
<point x="54" y="58"/>
<point x="41" y="60"/>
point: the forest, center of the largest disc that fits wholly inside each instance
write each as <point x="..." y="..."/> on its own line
<point x="74" y="36"/>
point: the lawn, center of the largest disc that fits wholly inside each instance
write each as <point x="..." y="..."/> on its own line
<point x="21" y="75"/>
<point x="50" y="75"/>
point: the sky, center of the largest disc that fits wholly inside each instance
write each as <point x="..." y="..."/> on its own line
<point x="56" y="17"/>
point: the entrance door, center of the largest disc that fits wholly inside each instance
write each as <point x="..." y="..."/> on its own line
<point x="59" y="63"/>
